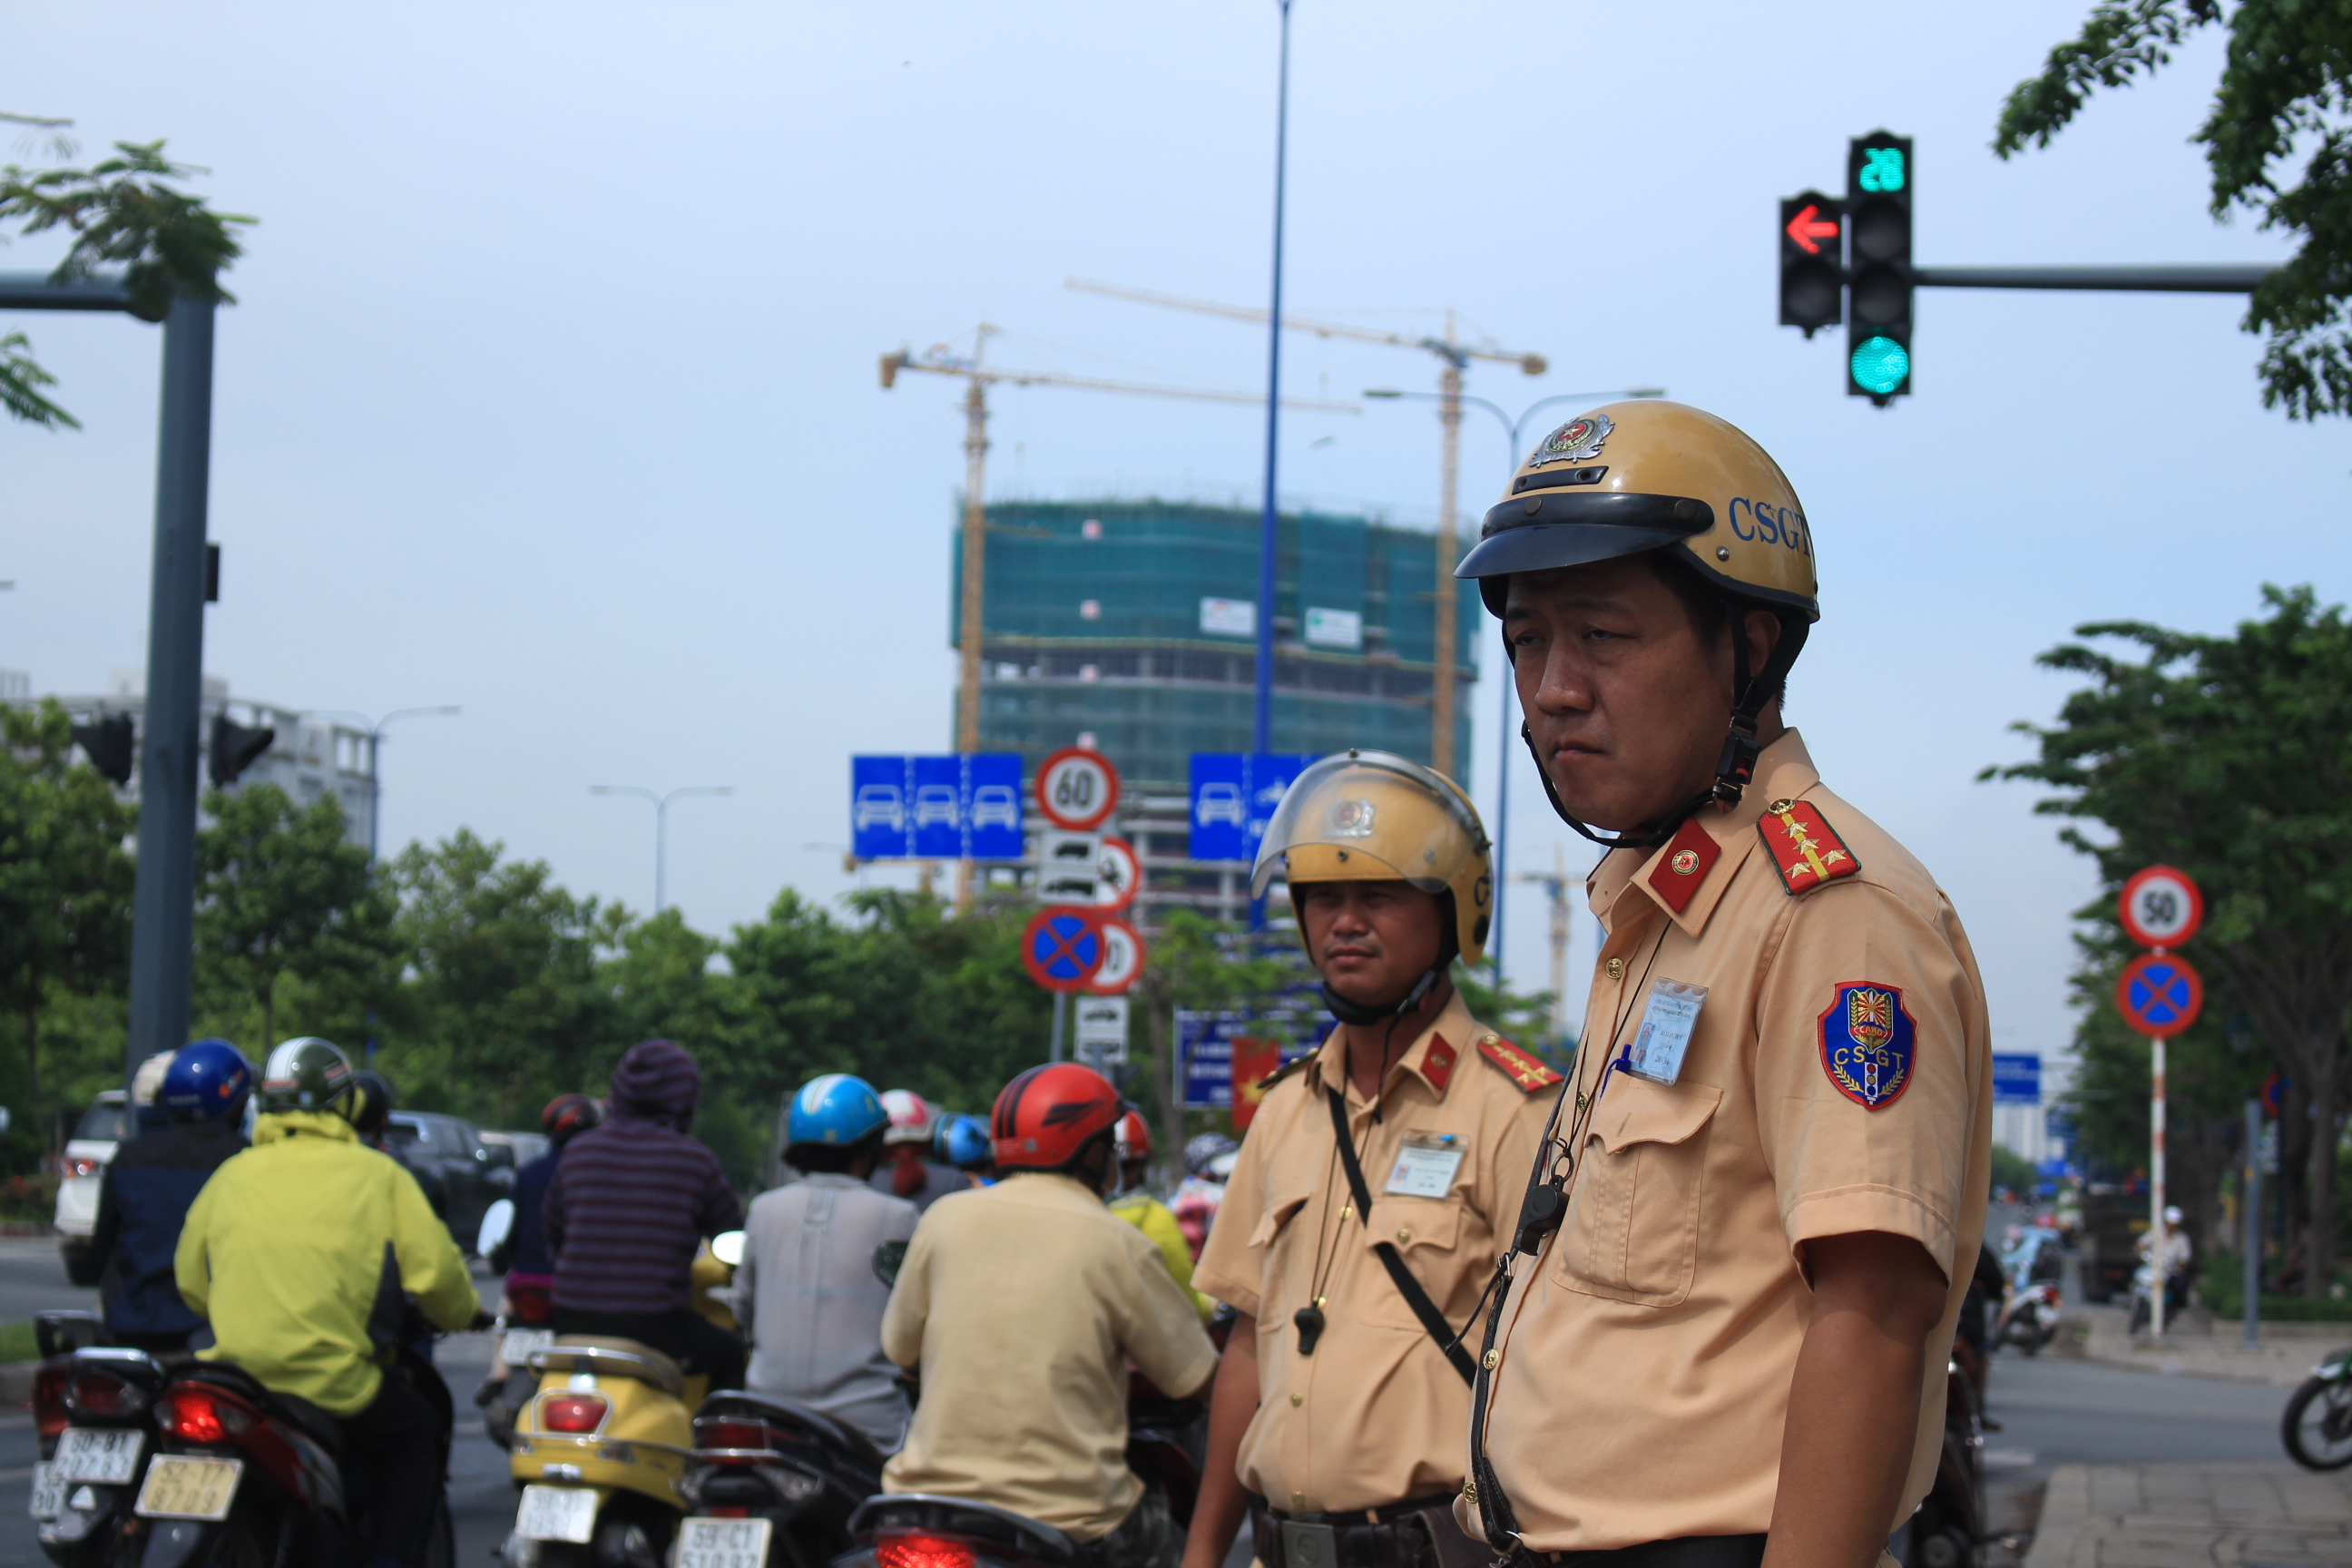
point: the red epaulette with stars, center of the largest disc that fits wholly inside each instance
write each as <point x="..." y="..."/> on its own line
<point x="1804" y="851"/>
<point x="1525" y="1070"/>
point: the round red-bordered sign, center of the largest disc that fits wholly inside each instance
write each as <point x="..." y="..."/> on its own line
<point x="1120" y="876"/>
<point x="2160" y="907"/>
<point x="1078" y="789"/>
<point x="2160" y="994"/>
<point x="1122" y="958"/>
<point x="1062" y="949"/>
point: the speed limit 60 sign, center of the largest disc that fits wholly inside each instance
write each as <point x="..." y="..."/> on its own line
<point x="2161" y="907"/>
<point x="1078" y="789"/>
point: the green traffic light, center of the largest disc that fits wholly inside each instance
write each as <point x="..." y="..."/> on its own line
<point x="1880" y="365"/>
<point x="1882" y="169"/>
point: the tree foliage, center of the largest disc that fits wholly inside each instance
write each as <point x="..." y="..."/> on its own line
<point x="2286" y="86"/>
<point x="2228" y="757"/>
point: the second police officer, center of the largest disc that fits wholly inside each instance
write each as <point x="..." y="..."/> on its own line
<point x="1724" y="1338"/>
<point x="1378" y="1181"/>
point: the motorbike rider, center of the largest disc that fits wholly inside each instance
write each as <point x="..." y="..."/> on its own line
<point x="2178" y="1255"/>
<point x="298" y="1253"/>
<point x="962" y="1142"/>
<point x="904" y="1172"/>
<point x="628" y="1207"/>
<point x="143" y="1198"/>
<point x="1022" y="1305"/>
<point x="1135" y="1205"/>
<point x="1208" y="1163"/>
<point x="523" y="1256"/>
<point x="807" y="1285"/>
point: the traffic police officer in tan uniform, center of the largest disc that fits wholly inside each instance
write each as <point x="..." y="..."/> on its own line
<point x="1733" y="1289"/>
<point x="1379" y="1180"/>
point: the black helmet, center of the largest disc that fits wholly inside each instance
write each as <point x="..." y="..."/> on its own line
<point x="307" y="1074"/>
<point x="372" y="1103"/>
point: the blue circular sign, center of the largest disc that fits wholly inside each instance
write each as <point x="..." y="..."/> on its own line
<point x="2160" y="994"/>
<point x="1062" y="949"/>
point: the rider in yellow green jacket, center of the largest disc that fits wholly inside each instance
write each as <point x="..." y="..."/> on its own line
<point x="298" y="1251"/>
<point x="1148" y="1214"/>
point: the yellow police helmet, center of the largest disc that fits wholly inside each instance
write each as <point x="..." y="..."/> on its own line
<point x="1652" y="475"/>
<point x="1371" y="816"/>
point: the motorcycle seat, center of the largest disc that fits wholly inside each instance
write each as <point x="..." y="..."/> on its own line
<point x="296" y="1411"/>
<point x="852" y="1442"/>
<point x="610" y="1355"/>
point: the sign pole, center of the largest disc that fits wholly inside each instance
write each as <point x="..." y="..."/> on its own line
<point x="2250" y="1218"/>
<point x="1061" y="1008"/>
<point x="2156" y="1186"/>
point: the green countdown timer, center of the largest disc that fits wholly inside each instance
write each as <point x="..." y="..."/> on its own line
<point x="1880" y="365"/>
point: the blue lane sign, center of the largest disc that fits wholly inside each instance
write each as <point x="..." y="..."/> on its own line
<point x="1233" y="795"/>
<point x="936" y="809"/>
<point x="2016" y="1077"/>
<point x="1204" y="1047"/>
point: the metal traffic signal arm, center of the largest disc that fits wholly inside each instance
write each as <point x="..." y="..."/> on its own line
<point x="1848" y="260"/>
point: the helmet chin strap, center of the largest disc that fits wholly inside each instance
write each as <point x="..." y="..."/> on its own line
<point x="1361" y="1015"/>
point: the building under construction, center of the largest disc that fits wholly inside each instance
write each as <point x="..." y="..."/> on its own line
<point x="1134" y="622"/>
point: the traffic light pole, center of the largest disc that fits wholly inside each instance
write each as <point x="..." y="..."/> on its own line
<point x="163" y="911"/>
<point x="2226" y="279"/>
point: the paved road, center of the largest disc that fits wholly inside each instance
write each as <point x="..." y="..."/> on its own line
<point x="33" y="1279"/>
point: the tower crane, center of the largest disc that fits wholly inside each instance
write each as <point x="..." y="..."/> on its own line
<point x="940" y="360"/>
<point x="1556" y="883"/>
<point x="1454" y="356"/>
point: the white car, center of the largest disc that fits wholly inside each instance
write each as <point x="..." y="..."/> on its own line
<point x="993" y="806"/>
<point x="95" y="1139"/>
<point x="936" y="806"/>
<point x="1220" y="803"/>
<point x="879" y="805"/>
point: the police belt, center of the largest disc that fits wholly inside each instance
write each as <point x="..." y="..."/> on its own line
<point x="1688" y="1551"/>
<point x="1416" y="1534"/>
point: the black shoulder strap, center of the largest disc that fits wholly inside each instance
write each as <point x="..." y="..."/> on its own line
<point x="1407" y="1286"/>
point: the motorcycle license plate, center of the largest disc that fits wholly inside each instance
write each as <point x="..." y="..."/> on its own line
<point x="722" y="1544"/>
<point x="557" y="1513"/>
<point x="48" y="1493"/>
<point x="86" y="1454"/>
<point x="516" y="1344"/>
<point x="179" y="1486"/>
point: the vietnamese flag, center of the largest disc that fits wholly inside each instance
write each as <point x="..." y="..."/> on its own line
<point x="1255" y="1061"/>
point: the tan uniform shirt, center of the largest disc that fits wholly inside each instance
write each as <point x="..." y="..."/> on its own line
<point x="1023" y="1303"/>
<point x="1646" y="1356"/>
<point x="1375" y="1415"/>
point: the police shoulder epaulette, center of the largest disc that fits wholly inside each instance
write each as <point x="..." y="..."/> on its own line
<point x="1523" y="1069"/>
<point x="1284" y="1071"/>
<point x="1804" y="851"/>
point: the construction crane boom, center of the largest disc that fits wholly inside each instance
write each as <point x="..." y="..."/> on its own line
<point x="1532" y="364"/>
<point x="892" y="363"/>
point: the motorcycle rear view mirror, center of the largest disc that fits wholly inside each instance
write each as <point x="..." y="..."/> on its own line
<point x="728" y="1248"/>
<point x="497" y="1223"/>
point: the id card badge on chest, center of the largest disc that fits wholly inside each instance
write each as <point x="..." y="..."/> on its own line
<point x="1668" y="1021"/>
<point x="1425" y="1165"/>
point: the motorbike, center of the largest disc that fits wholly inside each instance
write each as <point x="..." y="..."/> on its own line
<point x="1949" y="1529"/>
<point x="2143" y="1295"/>
<point x="2031" y="1320"/>
<point x="600" y="1449"/>
<point x="92" y="1404"/>
<point x="243" y="1477"/>
<point x="522" y="1327"/>
<point x="2317" y="1425"/>
<point x="772" y="1481"/>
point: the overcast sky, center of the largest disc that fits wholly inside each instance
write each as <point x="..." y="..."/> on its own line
<point x="552" y="389"/>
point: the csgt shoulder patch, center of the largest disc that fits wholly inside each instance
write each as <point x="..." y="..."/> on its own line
<point x="1867" y="1043"/>
<point x="1523" y="1069"/>
<point x="1803" y="849"/>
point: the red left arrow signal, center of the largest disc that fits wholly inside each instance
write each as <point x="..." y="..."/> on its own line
<point x="1807" y="227"/>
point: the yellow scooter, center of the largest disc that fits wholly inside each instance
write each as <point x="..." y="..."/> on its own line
<point x="598" y="1451"/>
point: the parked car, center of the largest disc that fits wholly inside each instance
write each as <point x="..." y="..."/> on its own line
<point x="95" y="1139"/>
<point x="527" y="1146"/>
<point x="460" y="1170"/>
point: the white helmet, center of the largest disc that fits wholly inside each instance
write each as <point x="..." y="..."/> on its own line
<point x="147" y="1083"/>
<point x="910" y="1117"/>
<point x="2173" y="1216"/>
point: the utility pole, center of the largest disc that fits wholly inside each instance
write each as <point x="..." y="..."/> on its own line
<point x="1557" y="885"/>
<point x="1445" y="637"/>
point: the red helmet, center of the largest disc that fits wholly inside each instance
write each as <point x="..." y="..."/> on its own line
<point x="1044" y="1117"/>
<point x="1134" y="1137"/>
<point x="567" y="1114"/>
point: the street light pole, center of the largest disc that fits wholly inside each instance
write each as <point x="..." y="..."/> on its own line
<point x="375" y="729"/>
<point x="661" y="824"/>
<point x="1262" y="717"/>
<point x="1450" y="402"/>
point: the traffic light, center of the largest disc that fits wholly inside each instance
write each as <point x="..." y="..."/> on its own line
<point x="1878" y="240"/>
<point x="235" y="748"/>
<point x="1813" y="294"/>
<point x="107" y="743"/>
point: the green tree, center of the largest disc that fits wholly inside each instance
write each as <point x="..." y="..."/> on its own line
<point x="65" y="878"/>
<point x="2229" y="757"/>
<point x="283" y="894"/>
<point x="2286" y="83"/>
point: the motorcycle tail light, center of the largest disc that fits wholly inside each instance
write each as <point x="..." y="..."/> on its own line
<point x="915" y="1551"/>
<point x="530" y="1304"/>
<point x="202" y="1415"/>
<point x="103" y="1395"/>
<point x="572" y="1412"/>
<point x="49" y="1400"/>
<point x="731" y="1435"/>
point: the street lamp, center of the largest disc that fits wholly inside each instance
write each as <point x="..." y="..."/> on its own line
<point x="374" y="730"/>
<point x="661" y="822"/>
<point x="1503" y="743"/>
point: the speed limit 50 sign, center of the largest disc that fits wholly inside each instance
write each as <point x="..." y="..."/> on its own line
<point x="1078" y="789"/>
<point x="2161" y="907"/>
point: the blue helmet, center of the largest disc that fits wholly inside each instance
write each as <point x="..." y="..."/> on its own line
<point x="964" y="1143"/>
<point x="207" y="1081"/>
<point x="837" y="1109"/>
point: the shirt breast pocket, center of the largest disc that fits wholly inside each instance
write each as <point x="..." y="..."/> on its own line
<point x="1632" y="1231"/>
<point x="1285" y="1250"/>
<point x="1424" y="1232"/>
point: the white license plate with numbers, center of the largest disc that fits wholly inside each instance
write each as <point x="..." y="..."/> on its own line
<point x="110" y="1457"/>
<point x="516" y="1344"/>
<point x="48" y="1493"/>
<point x="557" y="1513"/>
<point x="723" y="1543"/>
<point x="181" y="1487"/>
